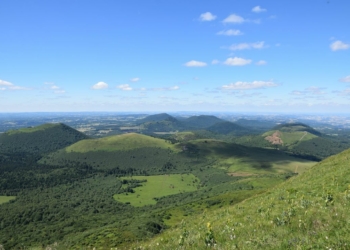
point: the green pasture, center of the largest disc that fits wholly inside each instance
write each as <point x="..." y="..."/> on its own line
<point x="4" y="199"/>
<point x="118" y="142"/>
<point x="158" y="186"/>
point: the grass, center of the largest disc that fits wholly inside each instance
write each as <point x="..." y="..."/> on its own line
<point x="156" y="187"/>
<point x="118" y="142"/>
<point x="309" y="211"/>
<point x="4" y="199"/>
<point x="33" y="129"/>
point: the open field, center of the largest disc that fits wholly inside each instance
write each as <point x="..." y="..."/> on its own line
<point x="4" y="199"/>
<point x="156" y="187"/>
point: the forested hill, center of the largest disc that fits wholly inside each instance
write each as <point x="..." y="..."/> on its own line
<point x="201" y="121"/>
<point x="40" y="139"/>
<point x="296" y="127"/>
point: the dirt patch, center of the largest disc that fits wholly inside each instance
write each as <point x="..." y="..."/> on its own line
<point x="275" y="138"/>
<point x="241" y="174"/>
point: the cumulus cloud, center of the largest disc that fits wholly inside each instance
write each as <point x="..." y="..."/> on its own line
<point x="135" y="79"/>
<point x="230" y="32"/>
<point x="339" y="45"/>
<point x="194" y="63"/>
<point x="125" y="87"/>
<point x="249" y="85"/>
<point x="258" y="9"/>
<point x="100" y="85"/>
<point x="233" y="18"/>
<point x="261" y="62"/>
<point x="4" y="85"/>
<point x="207" y="16"/>
<point x="237" y="61"/>
<point x="166" y="88"/>
<point x="345" y="79"/>
<point x="56" y="89"/>
<point x="243" y="46"/>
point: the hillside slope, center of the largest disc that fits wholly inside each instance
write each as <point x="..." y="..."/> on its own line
<point x="40" y="139"/>
<point x="310" y="211"/>
<point x="201" y="121"/>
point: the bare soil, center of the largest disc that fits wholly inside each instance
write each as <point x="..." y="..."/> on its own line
<point x="275" y="138"/>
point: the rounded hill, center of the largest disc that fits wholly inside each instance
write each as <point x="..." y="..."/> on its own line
<point x="128" y="141"/>
<point x="40" y="139"/>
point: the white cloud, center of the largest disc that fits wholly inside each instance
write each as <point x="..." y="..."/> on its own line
<point x="125" y="87"/>
<point x="258" y="9"/>
<point x="100" y="85"/>
<point x="4" y="85"/>
<point x="233" y="18"/>
<point x="242" y="46"/>
<point x="215" y="61"/>
<point x="207" y="16"/>
<point x="339" y="45"/>
<point x="261" y="62"/>
<point x="174" y="88"/>
<point x="237" y="61"/>
<point x="135" y="79"/>
<point x="249" y="85"/>
<point x="194" y="63"/>
<point x="345" y="79"/>
<point x="230" y="32"/>
<point x="54" y="87"/>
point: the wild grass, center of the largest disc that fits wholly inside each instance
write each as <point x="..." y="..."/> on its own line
<point x="156" y="187"/>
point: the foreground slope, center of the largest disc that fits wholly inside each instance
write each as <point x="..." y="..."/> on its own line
<point x="310" y="211"/>
<point x="40" y="139"/>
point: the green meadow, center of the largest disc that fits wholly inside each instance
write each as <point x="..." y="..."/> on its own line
<point x="157" y="186"/>
<point x="4" y="199"/>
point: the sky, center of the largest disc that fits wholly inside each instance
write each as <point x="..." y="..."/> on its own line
<point x="167" y="55"/>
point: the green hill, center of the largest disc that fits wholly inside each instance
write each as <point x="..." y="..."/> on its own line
<point x="296" y="127"/>
<point x="39" y="139"/>
<point x="157" y="118"/>
<point x="227" y="128"/>
<point x="259" y="125"/>
<point x="310" y="211"/>
<point x="201" y="121"/>
<point x="298" y="139"/>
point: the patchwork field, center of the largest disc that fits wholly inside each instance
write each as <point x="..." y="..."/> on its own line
<point x="156" y="187"/>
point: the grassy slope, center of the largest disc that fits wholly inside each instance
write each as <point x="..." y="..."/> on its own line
<point x="310" y="211"/>
<point x="118" y="142"/>
<point x="156" y="187"/>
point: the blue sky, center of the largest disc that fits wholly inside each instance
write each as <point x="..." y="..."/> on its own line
<point x="153" y="55"/>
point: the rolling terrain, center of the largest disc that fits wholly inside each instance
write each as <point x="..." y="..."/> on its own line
<point x="310" y="211"/>
<point x="297" y="139"/>
<point x="68" y="193"/>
